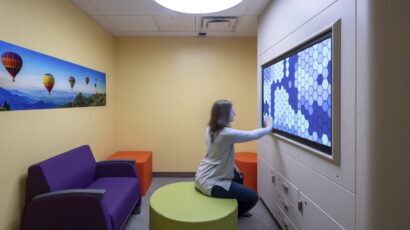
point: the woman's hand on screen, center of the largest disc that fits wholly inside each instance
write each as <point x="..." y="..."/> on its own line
<point x="268" y="122"/>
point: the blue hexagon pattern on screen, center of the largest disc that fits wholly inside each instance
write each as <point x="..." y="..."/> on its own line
<point x="297" y="93"/>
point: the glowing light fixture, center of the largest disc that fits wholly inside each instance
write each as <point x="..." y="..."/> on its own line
<point x="198" y="6"/>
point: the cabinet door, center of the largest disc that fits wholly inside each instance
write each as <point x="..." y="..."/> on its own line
<point x="266" y="178"/>
<point x="313" y="218"/>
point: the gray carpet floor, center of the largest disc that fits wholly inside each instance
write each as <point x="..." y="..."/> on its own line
<point x="261" y="219"/>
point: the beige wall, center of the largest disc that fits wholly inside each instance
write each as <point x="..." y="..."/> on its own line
<point x="58" y="29"/>
<point x="165" y="88"/>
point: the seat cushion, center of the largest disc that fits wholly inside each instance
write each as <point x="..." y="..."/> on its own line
<point x="121" y="195"/>
<point x="180" y="206"/>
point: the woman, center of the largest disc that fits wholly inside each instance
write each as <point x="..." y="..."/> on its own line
<point x="217" y="175"/>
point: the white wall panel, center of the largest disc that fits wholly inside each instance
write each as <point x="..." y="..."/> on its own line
<point x="374" y="113"/>
<point x="345" y="10"/>
<point x="284" y="17"/>
<point x="279" y="32"/>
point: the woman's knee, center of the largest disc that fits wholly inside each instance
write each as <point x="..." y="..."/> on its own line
<point x="254" y="197"/>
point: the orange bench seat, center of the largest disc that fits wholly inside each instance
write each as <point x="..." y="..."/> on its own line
<point x="143" y="163"/>
<point x="247" y="162"/>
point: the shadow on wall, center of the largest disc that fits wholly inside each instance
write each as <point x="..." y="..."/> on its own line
<point x="16" y="222"/>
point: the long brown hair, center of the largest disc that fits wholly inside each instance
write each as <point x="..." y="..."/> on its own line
<point x="220" y="114"/>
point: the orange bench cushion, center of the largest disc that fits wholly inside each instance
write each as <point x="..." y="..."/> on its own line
<point x="143" y="163"/>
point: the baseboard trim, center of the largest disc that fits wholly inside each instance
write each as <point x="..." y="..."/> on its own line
<point x="173" y="174"/>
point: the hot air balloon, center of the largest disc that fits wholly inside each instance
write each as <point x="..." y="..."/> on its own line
<point x="12" y="62"/>
<point x="87" y="80"/>
<point x="48" y="81"/>
<point x="71" y="80"/>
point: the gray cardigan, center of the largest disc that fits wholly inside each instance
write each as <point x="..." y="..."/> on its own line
<point x="217" y="167"/>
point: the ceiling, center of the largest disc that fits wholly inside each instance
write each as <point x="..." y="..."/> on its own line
<point x="146" y="18"/>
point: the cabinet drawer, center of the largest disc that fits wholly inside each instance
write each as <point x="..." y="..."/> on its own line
<point x="288" y="209"/>
<point x="288" y="190"/>
<point x="283" y="220"/>
<point x="313" y="218"/>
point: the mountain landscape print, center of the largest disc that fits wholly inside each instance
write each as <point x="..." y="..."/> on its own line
<point x="31" y="80"/>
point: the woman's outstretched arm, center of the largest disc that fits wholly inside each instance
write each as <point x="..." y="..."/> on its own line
<point x="238" y="136"/>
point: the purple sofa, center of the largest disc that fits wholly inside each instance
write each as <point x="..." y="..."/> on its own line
<point x="72" y="191"/>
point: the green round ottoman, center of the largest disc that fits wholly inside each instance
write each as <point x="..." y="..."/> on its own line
<point x="179" y="206"/>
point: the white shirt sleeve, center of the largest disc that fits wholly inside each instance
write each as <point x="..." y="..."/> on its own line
<point x="237" y="136"/>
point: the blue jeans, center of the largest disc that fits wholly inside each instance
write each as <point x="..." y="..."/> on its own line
<point x="246" y="197"/>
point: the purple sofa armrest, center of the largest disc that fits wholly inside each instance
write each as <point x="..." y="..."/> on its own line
<point x="98" y="193"/>
<point x="116" y="168"/>
<point x="68" y="209"/>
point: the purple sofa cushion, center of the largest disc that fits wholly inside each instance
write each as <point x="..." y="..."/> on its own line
<point x="70" y="170"/>
<point x="121" y="195"/>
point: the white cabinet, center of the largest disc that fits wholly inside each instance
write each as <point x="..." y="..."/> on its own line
<point x="290" y="206"/>
<point x="279" y="195"/>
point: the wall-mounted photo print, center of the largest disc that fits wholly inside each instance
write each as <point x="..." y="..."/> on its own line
<point x="31" y="80"/>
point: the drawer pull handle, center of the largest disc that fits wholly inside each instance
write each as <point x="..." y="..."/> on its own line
<point x="285" y="224"/>
<point x="285" y="188"/>
<point x="285" y="206"/>
<point x="300" y="205"/>
<point x="273" y="178"/>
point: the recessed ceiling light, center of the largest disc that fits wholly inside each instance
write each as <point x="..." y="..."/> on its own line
<point x="198" y="6"/>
